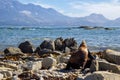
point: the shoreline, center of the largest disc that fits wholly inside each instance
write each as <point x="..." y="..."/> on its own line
<point x="92" y="48"/>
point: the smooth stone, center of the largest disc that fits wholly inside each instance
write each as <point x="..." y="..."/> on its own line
<point x="103" y="75"/>
<point x="64" y="59"/>
<point x="32" y="65"/>
<point x="6" y="74"/>
<point x="104" y="65"/>
<point x="1" y="76"/>
<point x="12" y="51"/>
<point x="112" y="56"/>
<point x="48" y="62"/>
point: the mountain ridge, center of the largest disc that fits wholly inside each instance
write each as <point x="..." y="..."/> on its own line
<point x="12" y="12"/>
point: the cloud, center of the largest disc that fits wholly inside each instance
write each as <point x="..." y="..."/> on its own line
<point x="108" y="9"/>
<point x="115" y="1"/>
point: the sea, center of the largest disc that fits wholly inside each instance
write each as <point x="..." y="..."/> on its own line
<point x="97" y="39"/>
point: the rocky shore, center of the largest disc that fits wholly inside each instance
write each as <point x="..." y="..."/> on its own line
<point x="49" y="59"/>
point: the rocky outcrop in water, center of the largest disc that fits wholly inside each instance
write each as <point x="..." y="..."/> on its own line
<point x="95" y="28"/>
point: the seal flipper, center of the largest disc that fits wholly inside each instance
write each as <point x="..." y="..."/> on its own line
<point x="90" y="55"/>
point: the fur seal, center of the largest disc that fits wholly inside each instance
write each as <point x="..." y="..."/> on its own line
<point x="81" y="58"/>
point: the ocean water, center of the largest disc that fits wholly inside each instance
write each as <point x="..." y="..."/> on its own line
<point x="97" y="39"/>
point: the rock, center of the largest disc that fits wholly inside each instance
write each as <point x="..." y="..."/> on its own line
<point x="61" y="66"/>
<point x="64" y="59"/>
<point x="12" y="51"/>
<point x="67" y="50"/>
<point x="91" y="27"/>
<point x="80" y="77"/>
<point x="47" y="52"/>
<point x="87" y="27"/>
<point x="29" y="58"/>
<point x="44" y="52"/>
<point x="1" y="76"/>
<point x="28" y="76"/>
<point x="9" y="65"/>
<point x="57" y="75"/>
<point x="57" y="53"/>
<point x="41" y="78"/>
<point x="34" y="66"/>
<point x="37" y="50"/>
<point x="59" y="44"/>
<point x="70" y="43"/>
<point x="48" y="63"/>
<point x="2" y="57"/>
<point x="5" y="69"/>
<point x="1" y="53"/>
<point x="48" y="44"/>
<point x="104" y="65"/>
<point x="6" y="74"/>
<point x="103" y="75"/>
<point x="94" y="66"/>
<point x="15" y="77"/>
<point x="26" y="47"/>
<point x="111" y="56"/>
<point x="108" y="28"/>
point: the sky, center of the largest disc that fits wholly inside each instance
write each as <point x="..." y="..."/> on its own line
<point x="80" y="8"/>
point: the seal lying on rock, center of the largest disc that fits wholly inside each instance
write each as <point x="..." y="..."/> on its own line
<point x="81" y="58"/>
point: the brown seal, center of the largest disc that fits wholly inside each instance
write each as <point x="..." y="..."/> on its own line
<point x="81" y="58"/>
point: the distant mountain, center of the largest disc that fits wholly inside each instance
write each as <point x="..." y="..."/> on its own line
<point x="13" y="12"/>
<point x="115" y="22"/>
<point x="93" y="19"/>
